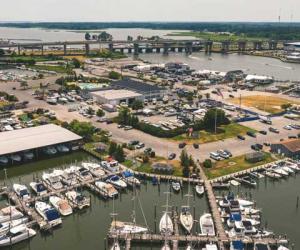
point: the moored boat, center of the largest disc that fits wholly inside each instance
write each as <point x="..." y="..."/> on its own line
<point x="79" y="199"/>
<point x="10" y="213"/>
<point x="16" y="235"/>
<point x="107" y="189"/>
<point x="199" y="189"/>
<point x="186" y="218"/>
<point x="38" y="187"/>
<point x="126" y="228"/>
<point x="115" y="246"/>
<point x="176" y="186"/>
<point x="166" y="224"/>
<point x="3" y="160"/>
<point x="61" y="205"/>
<point x="130" y="179"/>
<point x="117" y="182"/>
<point x="50" y="214"/>
<point x="5" y="226"/>
<point x="95" y="168"/>
<point x="53" y="181"/>
<point x="21" y="191"/>
<point x="207" y="225"/>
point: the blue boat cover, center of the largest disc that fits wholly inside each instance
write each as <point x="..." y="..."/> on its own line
<point x="235" y="217"/>
<point x="115" y="178"/>
<point x="238" y="245"/>
<point x="127" y="174"/>
<point x="52" y="214"/>
<point x="40" y="187"/>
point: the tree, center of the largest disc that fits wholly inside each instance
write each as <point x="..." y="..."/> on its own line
<point x="100" y="113"/>
<point x="90" y="111"/>
<point x="114" y="75"/>
<point x="87" y="36"/>
<point x="104" y="36"/>
<point x="112" y="148"/>
<point x="137" y="104"/>
<point x="84" y="129"/>
<point x="214" y="117"/>
<point x="129" y="38"/>
<point x="76" y="63"/>
<point x="24" y="85"/>
<point x="119" y="154"/>
<point x="207" y="163"/>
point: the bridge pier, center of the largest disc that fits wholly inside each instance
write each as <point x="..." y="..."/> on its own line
<point x="149" y="50"/>
<point x="129" y="50"/>
<point x="257" y="45"/>
<point x="180" y="49"/>
<point x="166" y="48"/>
<point x="242" y="45"/>
<point x="208" y="46"/>
<point x="157" y="50"/>
<point x="136" y="49"/>
<point x="87" y="49"/>
<point x="225" y="46"/>
<point x="189" y="48"/>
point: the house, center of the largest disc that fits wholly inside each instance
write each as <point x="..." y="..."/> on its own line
<point x="162" y="168"/>
<point x="289" y="148"/>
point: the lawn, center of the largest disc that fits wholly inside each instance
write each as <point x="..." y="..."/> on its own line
<point x="270" y="104"/>
<point x="234" y="165"/>
<point x="226" y="131"/>
<point x="58" y="69"/>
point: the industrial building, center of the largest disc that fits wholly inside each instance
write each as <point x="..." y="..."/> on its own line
<point x="35" y="139"/>
<point x="116" y="96"/>
<point x="289" y="148"/>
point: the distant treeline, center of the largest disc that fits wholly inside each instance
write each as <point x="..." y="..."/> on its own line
<point x="279" y="31"/>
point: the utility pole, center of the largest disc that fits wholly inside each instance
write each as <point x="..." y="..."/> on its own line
<point x="216" y="120"/>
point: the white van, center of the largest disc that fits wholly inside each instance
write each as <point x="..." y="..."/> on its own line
<point x="215" y="156"/>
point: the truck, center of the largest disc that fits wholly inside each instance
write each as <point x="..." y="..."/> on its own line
<point x="265" y="119"/>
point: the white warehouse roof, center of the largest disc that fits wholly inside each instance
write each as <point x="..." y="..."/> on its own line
<point x="35" y="137"/>
<point x="116" y="94"/>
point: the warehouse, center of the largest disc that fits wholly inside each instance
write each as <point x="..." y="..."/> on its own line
<point x="116" y="96"/>
<point x="289" y="148"/>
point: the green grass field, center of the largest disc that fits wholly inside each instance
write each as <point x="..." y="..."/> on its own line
<point x="230" y="131"/>
<point x="233" y="165"/>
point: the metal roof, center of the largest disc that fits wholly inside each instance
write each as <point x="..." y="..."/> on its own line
<point x="137" y="86"/>
<point x="292" y="145"/>
<point x="116" y="94"/>
<point x="35" y="137"/>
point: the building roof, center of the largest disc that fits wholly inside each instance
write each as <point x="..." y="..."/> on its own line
<point x="35" y="137"/>
<point x="116" y="94"/>
<point x="137" y="86"/>
<point x="292" y="145"/>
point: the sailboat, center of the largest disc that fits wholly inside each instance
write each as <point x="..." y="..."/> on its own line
<point x="166" y="224"/>
<point x="115" y="245"/>
<point x="186" y="218"/>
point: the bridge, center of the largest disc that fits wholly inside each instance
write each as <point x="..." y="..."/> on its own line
<point x="149" y="46"/>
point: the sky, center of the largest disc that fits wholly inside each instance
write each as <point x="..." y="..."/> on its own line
<point x="149" y="10"/>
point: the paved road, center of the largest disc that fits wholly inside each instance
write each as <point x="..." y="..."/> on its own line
<point x="163" y="147"/>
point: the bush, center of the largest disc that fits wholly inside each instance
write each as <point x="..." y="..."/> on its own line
<point x="114" y="75"/>
<point x="207" y="163"/>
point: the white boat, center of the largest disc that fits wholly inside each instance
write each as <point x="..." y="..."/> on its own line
<point x="186" y="218"/>
<point x="3" y="160"/>
<point x="5" y="226"/>
<point x="176" y="186"/>
<point x="61" y="205"/>
<point x="50" y="214"/>
<point x="294" y="167"/>
<point x="211" y="247"/>
<point x="85" y="174"/>
<point x="130" y="179"/>
<point x="189" y="247"/>
<point x="207" y="225"/>
<point x="10" y="213"/>
<point x="166" y="224"/>
<point x="95" y="169"/>
<point x="21" y="191"/>
<point x="288" y="169"/>
<point x="245" y="203"/>
<point x="80" y="200"/>
<point x="38" y="187"/>
<point x="116" y="181"/>
<point x="16" y="235"/>
<point x="50" y="150"/>
<point x="16" y="157"/>
<point x="282" y="248"/>
<point x="67" y="178"/>
<point x="166" y="246"/>
<point x="62" y="149"/>
<point x="200" y="189"/>
<point x="272" y="175"/>
<point x="115" y="246"/>
<point x="234" y="183"/>
<point x="107" y="188"/>
<point x="53" y="181"/>
<point x="127" y="228"/>
<point x="28" y="155"/>
<point x="261" y="246"/>
<point x="279" y="171"/>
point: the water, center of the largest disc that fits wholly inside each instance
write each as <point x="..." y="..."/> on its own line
<point x="87" y="229"/>
<point x="249" y="64"/>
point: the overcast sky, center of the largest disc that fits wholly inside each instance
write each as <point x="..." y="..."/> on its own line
<point x="149" y="10"/>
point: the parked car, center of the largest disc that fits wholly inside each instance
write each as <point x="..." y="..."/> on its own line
<point x="222" y="154"/>
<point x="287" y="127"/>
<point x="133" y="143"/>
<point x="140" y="145"/>
<point x="274" y="130"/>
<point x="292" y="137"/>
<point x="128" y="128"/>
<point x="250" y="133"/>
<point x="120" y="126"/>
<point x="255" y="147"/>
<point x="241" y="137"/>
<point x="215" y="156"/>
<point x="147" y="150"/>
<point x="228" y="152"/>
<point x="196" y="145"/>
<point x="231" y="96"/>
<point x="263" y="132"/>
<point x="172" y="156"/>
<point x="182" y="145"/>
<point x="295" y="126"/>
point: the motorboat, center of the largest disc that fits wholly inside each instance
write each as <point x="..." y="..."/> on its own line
<point x="248" y="181"/>
<point x="21" y="191"/>
<point x="186" y="218"/>
<point x="5" y="226"/>
<point x="107" y="188"/>
<point x="262" y="234"/>
<point x="189" y="247"/>
<point x="79" y="199"/>
<point x="166" y="246"/>
<point x="10" y="213"/>
<point x="39" y="188"/>
<point x="176" y="186"/>
<point x="117" y="182"/>
<point x="245" y="203"/>
<point x="61" y="205"/>
<point x="16" y="158"/>
<point x="50" y="150"/>
<point x="166" y="224"/>
<point x="130" y="179"/>
<point x="62" y="149"/>
<point x="3" y="160"/>
<point x="234" y="183"/>
<point x="95" y="169"/>
<point x="126" y="228"/>
<point x="272" y="175"/>
<point x="16" y="235"/>
<point x="28" y="155"/>
<point x="261" y="246"/>
<point x="50" y="214"/>
<point x="199" y="189"/>
<point x="288" y="169"/>
<point x="53" y="181"/>
<point x="85" y="174"/>
<point x="115" y="246"/>
<point x="282" y="248"/>
<point x="67" y="178"/>
<point x="155" y="180"/>
<point x="211" y="246"/>
<point x="279" y="171"/>
<point x="256" y="175"/>
<point x="207" y="225"/>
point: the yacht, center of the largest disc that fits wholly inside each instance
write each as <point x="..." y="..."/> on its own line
<point x="130" y="180"/>
<point x="16" y="158"/>
<point x="16" y="235"/>
<point x="199" y="189"/>
<point x="67" y="178"/>
<point x="279" y="171"/>
<point x="50" y="214"/>
<point x="10" y="213"/>
<point x="3" y="160"/>
<point x="53" y="181"/>
<point x="176" y="186"/>
<point x="61" y="205"/>
<point x="126" y="228"/>
<point x="282" y="248"/>
<point x="85" y="174"/>
<point x="288" y="169"/>
<point x="21" y="191"/>
<point x="245" y="203"/>
<point x="95" y="169"/>
<point x="261" y="246"/>
<point x="62" y="149"/>
<point x="39" y="188"/>
<point x="207" y="225"/>
<point x="79" y="199"/>
<point x="5" y="226"/>
<point x="28" y="155"/>
<point x="107" y="188"/>
<point x="117" y="182"/>
<point x="186" y="218"/>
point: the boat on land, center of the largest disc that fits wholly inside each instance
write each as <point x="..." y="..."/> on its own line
<point x="95" y="169"/>
<point x="10" y="213"/>
<point x="107" y="188"/>
<point x="50" y="214"/>
<point x="16" y="235"/>
<point x="199" y="189"/>
<point x="79" y="199"/>
<point x="176" y="186"/>
<point x="207" y="225"/>
<point x="61" y="205"/>
<point x="38" y="187"/>
<point x="21" y="191"/>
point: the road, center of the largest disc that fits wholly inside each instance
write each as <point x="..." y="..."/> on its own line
<point x="162" y="147"/>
